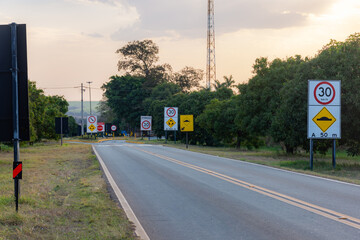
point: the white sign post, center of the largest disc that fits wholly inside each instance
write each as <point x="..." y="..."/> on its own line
<point x="91" y="124"/>
<point x="324" y="112"/>
<point x="171" y="120"/>
<point x="146" y="124"/>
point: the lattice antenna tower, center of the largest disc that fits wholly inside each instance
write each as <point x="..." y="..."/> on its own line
<point x="211" y="64"/>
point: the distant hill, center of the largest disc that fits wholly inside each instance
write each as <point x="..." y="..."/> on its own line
<point x="75" y="108"/>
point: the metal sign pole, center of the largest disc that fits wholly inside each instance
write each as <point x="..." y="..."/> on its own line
<point x="175" y="137"/>
<point x="311" y="154"/>
<point x="165" y="136"/>
<point x="334" y="154"/>
<point x="61" y="127"/>
<point x="187" y="140"/>
<point x="15" y="100"/>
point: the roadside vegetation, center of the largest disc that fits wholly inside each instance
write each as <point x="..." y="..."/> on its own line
<point x="271" y="108"/>
<point x="63" y="196"/>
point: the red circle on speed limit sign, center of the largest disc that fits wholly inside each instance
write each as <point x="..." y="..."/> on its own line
<point x="146" y="124"/>
<point x="92" y="119"/>
<point x="324" y="93"/>
<point x="171" y="112"/>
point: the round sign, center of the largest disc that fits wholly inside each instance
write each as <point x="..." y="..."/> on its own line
<point x="171" y="112"/>
<point x="146" y="124"/>
<point x="100" y="128"/>
<point x="324" y="93"/>
<point x="113" y="128"/>
<point x="92" y="119"/>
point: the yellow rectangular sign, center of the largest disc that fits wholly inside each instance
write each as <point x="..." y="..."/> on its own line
<point x="187" y="123"/>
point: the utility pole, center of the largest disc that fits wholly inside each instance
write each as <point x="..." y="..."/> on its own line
<point x="82" y="110"/>
<point x="210" y="64"/>
<point x="90" y="95"/>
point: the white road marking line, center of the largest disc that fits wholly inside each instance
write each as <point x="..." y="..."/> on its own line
<point x="139" y="230"/>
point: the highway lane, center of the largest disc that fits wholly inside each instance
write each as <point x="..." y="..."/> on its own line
<point x="178" y="194"/>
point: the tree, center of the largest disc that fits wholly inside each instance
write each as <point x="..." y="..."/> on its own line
<point x="125" y="96"/>
<point x="218" y="120"/>
<point x="261" y="96"/>
<point x="106" y="112"/>
<point x="139" y="58"/>
<point x="340" y="61"/>
<point x="188" y="78"/>
<point x="217" y="85"/>
<point x="42" y="111"/>
<point x="229" y="81"/>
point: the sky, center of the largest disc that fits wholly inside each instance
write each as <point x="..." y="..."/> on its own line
<point x="74" y="41"/>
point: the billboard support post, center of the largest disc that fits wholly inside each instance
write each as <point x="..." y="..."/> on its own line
<point x="15" y="100"/>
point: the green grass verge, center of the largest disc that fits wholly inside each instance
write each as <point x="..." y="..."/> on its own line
<point x="63" y="196"/>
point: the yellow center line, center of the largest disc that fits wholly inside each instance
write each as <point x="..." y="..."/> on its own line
<point x="336" y="216"/>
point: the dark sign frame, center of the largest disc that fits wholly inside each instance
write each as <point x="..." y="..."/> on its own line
<point x="6" y="106"/>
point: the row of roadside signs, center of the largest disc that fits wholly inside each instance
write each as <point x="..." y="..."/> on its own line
<point x="171" y="120"/>
<point x="93" y="126"/>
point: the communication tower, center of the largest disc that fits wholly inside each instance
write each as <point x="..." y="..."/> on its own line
<point x="210" y="65"/>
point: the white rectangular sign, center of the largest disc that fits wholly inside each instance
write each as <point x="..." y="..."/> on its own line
<point x="324" y="109"/>
<point x="146" y="123"/>
<point x="91" y="126"/>
<point x="170" y="118"/>
<point x="323" y="93"/>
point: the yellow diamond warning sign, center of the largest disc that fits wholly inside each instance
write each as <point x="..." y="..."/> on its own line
<point x="170" y="122"/>
<point x="92" y="127"/>
<point x="324" y="119"/>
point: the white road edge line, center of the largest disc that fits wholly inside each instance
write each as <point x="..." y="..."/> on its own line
<point x="139" y="230"/>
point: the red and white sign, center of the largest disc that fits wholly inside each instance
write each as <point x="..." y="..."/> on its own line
<point x="171" y="112"/>
<point x="113" y="128"/>
<point x="146" y="123"/>
<point x="92" y="119"/>
<point x="324" y="93"/>
<point x="91" y="124"/>
<point x="171" y="116"/>
<point x="324" y="109"/>
<point x="101" y="127"/>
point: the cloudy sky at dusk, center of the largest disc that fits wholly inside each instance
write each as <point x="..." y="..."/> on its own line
<point x="74" y="41"/>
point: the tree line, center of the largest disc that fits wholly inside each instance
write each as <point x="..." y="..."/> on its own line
<point x="270" y="108"/>
<point x="42" y="113"/>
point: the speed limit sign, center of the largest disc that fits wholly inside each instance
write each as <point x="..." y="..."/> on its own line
<point x="324" y="109"/>
<point x="145" y="124"/>
<point x="322" y="92"/>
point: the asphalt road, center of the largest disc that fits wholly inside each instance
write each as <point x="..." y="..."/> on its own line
<point x="179" y="194"/>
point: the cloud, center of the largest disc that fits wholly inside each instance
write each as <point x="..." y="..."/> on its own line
<point x="93" y="35"/>
<point x="108" y="2"/>
<point x="188" y="18"/>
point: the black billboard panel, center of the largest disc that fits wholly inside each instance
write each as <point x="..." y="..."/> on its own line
<point x="65" y="125"/>
<point x="108" y="127"/>
<point x="6" y="105"/>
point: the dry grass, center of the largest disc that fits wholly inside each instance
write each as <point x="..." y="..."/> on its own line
<point x="62" y="197"/>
